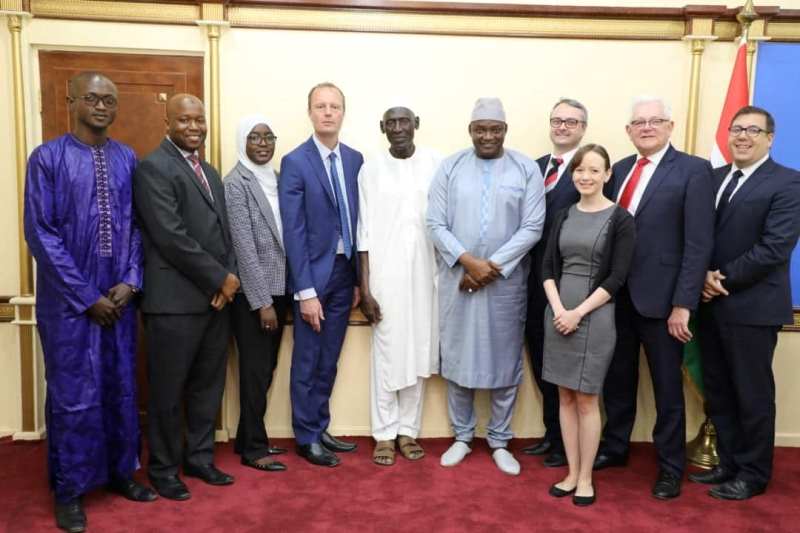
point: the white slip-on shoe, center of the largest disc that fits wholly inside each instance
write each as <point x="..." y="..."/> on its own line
<point x="455" y="453"/>
<point x="506" y="462"/>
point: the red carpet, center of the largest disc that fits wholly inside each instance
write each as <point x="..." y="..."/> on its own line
<point x="362" y="497"/>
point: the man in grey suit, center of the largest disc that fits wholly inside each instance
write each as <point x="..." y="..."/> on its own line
<point x="188" y="279"/>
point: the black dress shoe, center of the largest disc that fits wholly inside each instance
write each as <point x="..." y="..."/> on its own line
<point x="538" y="448"/>
<point x="556" y="492"/>
<point x="276" y="450"/>
<point x="604" y="460"/>
<point x="584" y="501"/>
<point x="715" y="476"/>
<point x="317" y="454"/>
<point x="208" y="473"/>
<point x="555" y="459"/>
<point x="336" y="445"/>
<point x="736" y="489"/>
<point x="667" y="486"/>
<point x="70" y="516"/>
<point x="132" y="490"/>
<point x="171" y="488"/>
<point x="272" y="466"/>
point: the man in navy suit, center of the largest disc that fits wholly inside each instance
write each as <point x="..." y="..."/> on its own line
<point x="568" y="120"/>
<point x="747" y="298"/>
<point x="670" y="194"/>
<point x="318" y="194"/>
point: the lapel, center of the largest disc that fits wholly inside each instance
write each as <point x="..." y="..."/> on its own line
<point x="315" y="160"/>
<point x="621" y="171"/>
<point x="662" y="170"/>
<point x="755" y="179"/>
<point x="719" y="177"/>
<point x="251" y="182"/>
<point x="183" y="164"/>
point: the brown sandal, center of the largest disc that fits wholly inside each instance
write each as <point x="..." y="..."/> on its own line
<point x="383" y="454"/>
<point x="410" y="448"/>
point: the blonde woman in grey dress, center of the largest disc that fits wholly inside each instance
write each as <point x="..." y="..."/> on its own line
<point x="586" y="262"/>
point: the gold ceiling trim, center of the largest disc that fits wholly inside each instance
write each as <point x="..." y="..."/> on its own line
<point x="116" y="10"/>
<point x="379" y="21"/>
<point x="726" y="31"/>
<point x="11" y="5"/>
<point x="784" y="31"/>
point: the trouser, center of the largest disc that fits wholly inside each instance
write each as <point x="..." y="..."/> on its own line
<point x="316" y="355"/>
<point x="664" y="357"/>
<point x="740" y="394"/>
<point x="461" y="408"/>
<point x="258" y="357"/>
<point x="395" y="412"/>
<point x="186" y="357"/>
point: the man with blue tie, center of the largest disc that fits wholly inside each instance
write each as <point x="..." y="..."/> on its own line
<point x="747" y="299"/>
<point x="670" y="194"/>
<point x="318" y="194"/>
<point x="568" y="120"/>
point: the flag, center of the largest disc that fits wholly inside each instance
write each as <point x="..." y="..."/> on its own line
<point x="738" y="96"/>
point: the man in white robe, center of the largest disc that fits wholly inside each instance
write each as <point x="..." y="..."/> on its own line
<point x="398" y="289"/>
<point x="485" y="212"/>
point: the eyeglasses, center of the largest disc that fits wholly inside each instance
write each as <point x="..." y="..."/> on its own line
<point x="652" y="123"/>
<point x="255" y="138"/>
<point x="750" y="131"/>
<point x="92" y="100"/>
<point x="570" y="123"/>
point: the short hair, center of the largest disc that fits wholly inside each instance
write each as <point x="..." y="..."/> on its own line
<point x="577" y="159"/>
<point x="573" y="103"/>
<point x="753" y="110"/>
<point x="324" y="85"/>
<point x="647" y="99"/>
<point x="85" y="76"/>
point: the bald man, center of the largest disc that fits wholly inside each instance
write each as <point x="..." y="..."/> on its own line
<point x="188" y="281"/>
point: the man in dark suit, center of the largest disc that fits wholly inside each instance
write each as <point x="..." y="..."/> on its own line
<point x="670" y="194"/>
<point x="747" y="298"/>
<point x="318" y="194"/>
<point x="188" y="280"/>
<point x="568" y="120"/>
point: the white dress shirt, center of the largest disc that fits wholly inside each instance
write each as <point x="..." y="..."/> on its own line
<point x="647" y="172"/>
<point x="566" y="159"/>
<point x="746" y="173"/>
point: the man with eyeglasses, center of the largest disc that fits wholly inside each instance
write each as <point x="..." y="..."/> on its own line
<point x="485" y="212"/>
<point x="747" y="298"/>
<point x="670" y="195"/>
<point x="80" y="228"/>
<point x="568" y="120"/>
<point x="318" y="193"/>
<point x="189" y="280"/>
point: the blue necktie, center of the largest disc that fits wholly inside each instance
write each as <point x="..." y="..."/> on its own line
<point x="725" y="199"/>
<point x="341" y="206"/>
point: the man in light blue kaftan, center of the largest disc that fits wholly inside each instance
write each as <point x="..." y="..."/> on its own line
<point x="80" y="228"/>
<point x="486" y="211"/>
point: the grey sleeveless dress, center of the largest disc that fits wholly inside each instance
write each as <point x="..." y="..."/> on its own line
<point x="579" y="361"/>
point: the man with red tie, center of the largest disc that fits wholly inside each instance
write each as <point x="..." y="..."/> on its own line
<point x="568" y="120"/>
<point x="670" y="194"/>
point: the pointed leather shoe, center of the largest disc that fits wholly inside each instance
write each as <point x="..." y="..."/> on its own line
<point x="208" y="473"/>
<point x="131" y="490"/>
<point x="276" y="450"/>
<point x="736" y="489"/>
<point x="336" y="445"/>
<point x="171" y="488"/>
<point x="555" y="459"/>
<point x="604" y="460"/>
<point x="715" y="476"/>
<point x="667" y="486"/>
<point x="317" y="454"/>
<point x="538" y="448"/>
<point x="70" y="516"/>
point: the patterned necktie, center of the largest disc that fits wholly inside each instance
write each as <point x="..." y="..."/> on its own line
<point x="198" y="171"/>
<point x="725" y="199"/>
<point x="341" y="206"/>
<point x="103" y="201"/>
<point x="551" y="179"/>
<point x="486" y="189"/>
<point x="630" y="187"/>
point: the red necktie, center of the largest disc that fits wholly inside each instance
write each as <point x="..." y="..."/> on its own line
<point x="552" y="176"/>
<point x="198" y="171"/>
<point x="630" y="187"/>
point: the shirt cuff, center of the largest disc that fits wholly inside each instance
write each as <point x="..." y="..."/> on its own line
<point x="305" y="294"/>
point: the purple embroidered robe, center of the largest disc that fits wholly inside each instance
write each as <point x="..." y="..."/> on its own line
<point x="80" y="228"/>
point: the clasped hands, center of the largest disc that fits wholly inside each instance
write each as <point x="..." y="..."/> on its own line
<point x="478" y="272"/>
<point x="566" y="321"/>
<point x="225" y="293"/>
<point x="713" y="285"/>
<point x="108" y="309"/>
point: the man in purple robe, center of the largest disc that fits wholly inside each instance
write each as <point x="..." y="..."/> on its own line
<point x="80" y="228"/>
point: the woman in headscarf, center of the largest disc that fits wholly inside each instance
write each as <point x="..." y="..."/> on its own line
<point x="259" y="311"/>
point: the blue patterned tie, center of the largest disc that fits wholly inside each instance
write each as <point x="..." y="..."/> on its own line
<point x="341" y="206"/>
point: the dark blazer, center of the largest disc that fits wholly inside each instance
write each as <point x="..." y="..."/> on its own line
<point x="754" y="240"/>
<point x="187" y="247"/>
<point x="562" y="196"/>
<point x="256" y="240"/>
<point x="674" y="233"/>
<point x="617" y="253"/>
<point x="309" y="214"/>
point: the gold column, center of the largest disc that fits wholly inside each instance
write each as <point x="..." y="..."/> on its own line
<point x="698" y="42"/>
<point x="214" y="20"/>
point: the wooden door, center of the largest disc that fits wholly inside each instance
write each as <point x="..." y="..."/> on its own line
<point x="145" y="83"/>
